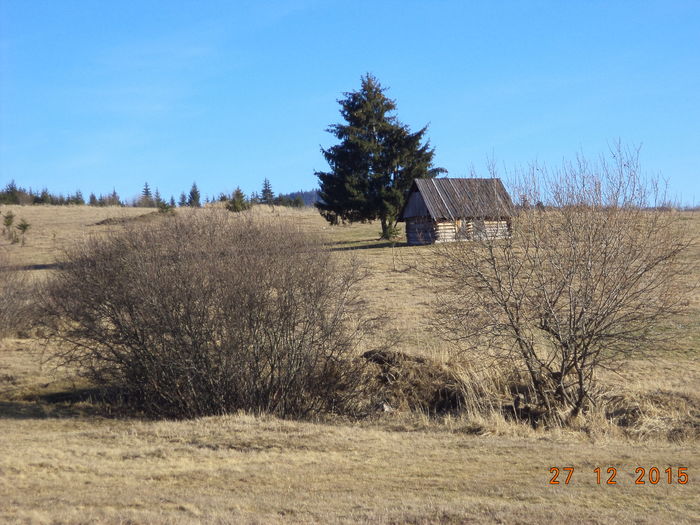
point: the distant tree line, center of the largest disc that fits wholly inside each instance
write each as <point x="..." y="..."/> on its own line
<point x="13" y="194"/>
<point x="238" y="201"/>
<point x="151" y="198"/>
<point x="309" y="198"/>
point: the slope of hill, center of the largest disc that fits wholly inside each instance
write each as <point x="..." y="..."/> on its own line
<point x="64" y="459"/>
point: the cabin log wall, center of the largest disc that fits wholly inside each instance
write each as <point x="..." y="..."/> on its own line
<point x="420" y="230"/>
<point x="423" y="230"/>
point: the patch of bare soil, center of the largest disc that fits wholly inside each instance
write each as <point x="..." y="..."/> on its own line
<point x="408" y="382"/>
<point x="671" y="415"/>
<point x="146" y="217"/>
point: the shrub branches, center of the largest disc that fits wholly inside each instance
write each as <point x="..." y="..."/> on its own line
<point x="586" y="280"/>
<point x="211" y="314"/>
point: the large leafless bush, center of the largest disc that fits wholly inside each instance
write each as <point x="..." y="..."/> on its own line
<point x="211" y="313"/>
<point x="591" y="274"/>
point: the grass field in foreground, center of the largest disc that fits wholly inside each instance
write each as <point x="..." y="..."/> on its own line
<point x="63" y="462"/>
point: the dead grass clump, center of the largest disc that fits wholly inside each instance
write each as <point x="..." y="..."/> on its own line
<point x="408" y="382"/>
<point x="659" y="414"/>
<point x="491" y="398"/>
<point x="480" y="397"/>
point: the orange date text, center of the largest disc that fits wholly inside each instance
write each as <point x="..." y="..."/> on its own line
<point x="609" y="475"/>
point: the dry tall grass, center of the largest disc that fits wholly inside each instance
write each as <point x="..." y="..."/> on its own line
<point x="15" y="298"/>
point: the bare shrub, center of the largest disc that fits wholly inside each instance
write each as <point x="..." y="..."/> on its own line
<point x="587" y="278"/>
<point x="211" y="313"/>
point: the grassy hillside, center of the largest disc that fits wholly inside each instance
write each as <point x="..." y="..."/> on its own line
<point x="64" y="460"/>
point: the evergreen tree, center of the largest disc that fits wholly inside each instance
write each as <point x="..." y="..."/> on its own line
<point x="146" y="200"/>
<point x="172" y="201"/>
<point x="238" y="201"/>
<point x="193" y="199"/>
<point x="92" y="200"/>
<point x="23" y="226"/>
<point x="113" y="199"/>
<point x="183" y="200"/>
<point x="7" y="221"/>
<point x="10" y="195"/>
<point x="110" y="200"/>
<point x="374" y="165"/>
<point x="157" y="200"/>
<point x="77" y="198"/>
<point x="45" y="197"/>
<point x="266" y="195"/>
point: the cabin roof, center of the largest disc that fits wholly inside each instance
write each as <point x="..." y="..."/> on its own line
<point x="455" y="198"/>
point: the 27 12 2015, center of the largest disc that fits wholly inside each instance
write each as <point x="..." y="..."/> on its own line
<point x="607" y="476"/>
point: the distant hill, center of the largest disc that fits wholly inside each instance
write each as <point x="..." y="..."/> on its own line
<point x="309" y="197"/>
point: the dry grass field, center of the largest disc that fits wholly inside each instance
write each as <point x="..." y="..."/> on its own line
<point x="65" y="460"/>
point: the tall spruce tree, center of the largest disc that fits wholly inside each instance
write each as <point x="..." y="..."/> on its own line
<point x="374" y="165"/>
<point x="267" y="196"/>
<point x="194" y="196"/>
<point x="146" y="199"/>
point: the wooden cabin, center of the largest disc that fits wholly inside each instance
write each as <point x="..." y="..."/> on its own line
<point x="451" y="209"/>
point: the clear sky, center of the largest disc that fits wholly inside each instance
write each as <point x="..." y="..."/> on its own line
<point x="96" y="95"/>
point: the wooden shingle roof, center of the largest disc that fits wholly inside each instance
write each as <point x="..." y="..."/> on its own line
<point x="452" y="198"/>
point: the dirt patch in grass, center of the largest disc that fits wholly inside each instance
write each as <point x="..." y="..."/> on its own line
<point x="146" y="217"/>
<point x="410" y="382"/>
<point x="674" y="416"/>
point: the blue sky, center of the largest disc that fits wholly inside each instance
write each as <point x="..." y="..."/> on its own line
<point x="99" y="95"/>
